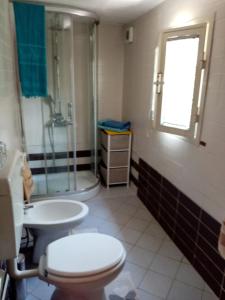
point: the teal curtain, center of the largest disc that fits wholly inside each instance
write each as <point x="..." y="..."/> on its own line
<point x="31" y="47"/>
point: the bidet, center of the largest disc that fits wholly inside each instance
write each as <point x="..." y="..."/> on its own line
<point x="50" y="220"/>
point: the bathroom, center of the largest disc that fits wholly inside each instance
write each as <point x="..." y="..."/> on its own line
<point x="168" y="220"/>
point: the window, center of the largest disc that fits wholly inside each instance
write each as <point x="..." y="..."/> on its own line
<point x="179" y="81"/>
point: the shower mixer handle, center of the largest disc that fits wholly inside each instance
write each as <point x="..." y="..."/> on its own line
<point x="70" y="111"/>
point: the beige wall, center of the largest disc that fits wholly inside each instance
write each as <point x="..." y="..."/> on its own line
<point x="110" y="70"/>
<point x="197" y="171"/>
<point x="9" y="120"/>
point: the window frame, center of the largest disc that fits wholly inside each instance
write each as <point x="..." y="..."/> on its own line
<point x="204" y="32"/>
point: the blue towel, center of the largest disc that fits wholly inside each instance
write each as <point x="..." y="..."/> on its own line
<point x="112" y="125"/>
<point x="31" y="47"/>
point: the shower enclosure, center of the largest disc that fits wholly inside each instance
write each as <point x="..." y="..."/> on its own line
<point x="60" y="133"/>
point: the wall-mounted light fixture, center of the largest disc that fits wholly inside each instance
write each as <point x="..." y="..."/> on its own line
<point x="129" y="35"/>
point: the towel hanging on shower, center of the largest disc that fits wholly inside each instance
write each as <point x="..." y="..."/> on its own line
<point x="31" y="47"/>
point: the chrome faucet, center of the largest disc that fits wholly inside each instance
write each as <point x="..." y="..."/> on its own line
<point x="26" y="207"/>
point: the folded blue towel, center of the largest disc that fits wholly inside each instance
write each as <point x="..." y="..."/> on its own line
<point x="112" y="124"/>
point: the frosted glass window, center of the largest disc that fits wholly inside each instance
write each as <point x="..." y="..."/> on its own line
<point x="179" y="82"/>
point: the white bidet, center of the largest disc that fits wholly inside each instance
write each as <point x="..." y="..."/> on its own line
<point x="50" y="220"/>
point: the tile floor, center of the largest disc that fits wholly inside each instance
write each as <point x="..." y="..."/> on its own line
<point x="157" y="267"/>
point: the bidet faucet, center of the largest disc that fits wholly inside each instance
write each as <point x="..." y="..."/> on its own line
<point x="26" y="207"/>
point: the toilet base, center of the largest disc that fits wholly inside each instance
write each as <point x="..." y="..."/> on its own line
<point x="60" y="294"/>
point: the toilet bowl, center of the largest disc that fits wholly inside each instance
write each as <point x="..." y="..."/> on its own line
<point x="81" y="265"/>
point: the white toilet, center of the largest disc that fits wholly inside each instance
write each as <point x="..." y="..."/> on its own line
<point x="80" y="265"/>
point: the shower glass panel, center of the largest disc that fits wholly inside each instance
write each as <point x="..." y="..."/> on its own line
<point x="60" y="130"/>
<point x="85" y="95"/>
<point x="58" y="111"/>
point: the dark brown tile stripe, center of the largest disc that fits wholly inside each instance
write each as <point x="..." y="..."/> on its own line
<point x="60" y="169"/>
<point x="189" y="205"/>
<point x="193" y="230"/>
<point x="134" y="179"/>
<point x="58" y="155"/>
<point x="134" y="164"/>
<point x="210" y="238"/>
<point x="211" y="223"/>
<point x="215" y="286"/>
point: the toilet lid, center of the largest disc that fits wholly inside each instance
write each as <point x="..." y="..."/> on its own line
<point x="83" y="254"/>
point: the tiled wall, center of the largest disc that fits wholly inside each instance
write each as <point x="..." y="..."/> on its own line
<point x="110" y="70"/>
<point x="193" y="230"/>
<point x="37" y="161"/>
<point x="9" y="116"/>
<point x="198" y="171"/>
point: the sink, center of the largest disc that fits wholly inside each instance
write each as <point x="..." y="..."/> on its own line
<point x="54" y="214"/>
<point x="49" y="220"/>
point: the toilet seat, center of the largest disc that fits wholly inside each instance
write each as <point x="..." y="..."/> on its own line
<point x="83" y="255"/>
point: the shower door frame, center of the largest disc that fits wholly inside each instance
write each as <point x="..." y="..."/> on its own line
<point x="66" y="9"/>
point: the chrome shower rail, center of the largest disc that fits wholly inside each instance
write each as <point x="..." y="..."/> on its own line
<point x="62" y="8"/>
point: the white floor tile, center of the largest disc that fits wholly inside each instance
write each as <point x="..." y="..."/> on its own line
<point x="143" y="214"/>
<point x="156" y="230"/>
<point x="127" y="246"/>
<point x="156" y="284"/>
<point x="31" y="297"/>
<point x="169" y="249"/>
<point x="209" y="296"/>
<point x="142" y="295"/>
<point x="109" y="228"/>
<point x="32" y="283"/>
<point x="140" y="257"/>
<point x="185" y="261"/>
<point x="92" y="221"/>
<point x="188" y="275"/>
<point x="43" y="291"/>
<point x="118" y="191"/>
<point x="112" y="205"/>
<point x="149" y="242"/>
<point x="102" y="212"/>
<point x="130" y="236"/>
<point x="137" y="273"/>
<point x="128" y="209"/>
<point x="133" y="200"/>
<point x="137" y="224"/>
<point x="165" y="265"/>
<point x="181" y="291"/>
<point x="119" y="218"/>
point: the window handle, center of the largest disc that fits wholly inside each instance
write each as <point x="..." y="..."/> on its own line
<point x="159" y="83"/>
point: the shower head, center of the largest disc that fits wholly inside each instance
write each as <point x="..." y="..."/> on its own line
<point x="60" y="23"/>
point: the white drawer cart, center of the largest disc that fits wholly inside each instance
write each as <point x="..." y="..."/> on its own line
<point x="116" y="152"/>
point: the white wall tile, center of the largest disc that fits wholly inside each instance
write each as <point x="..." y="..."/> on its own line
<point x="110" y="71"/>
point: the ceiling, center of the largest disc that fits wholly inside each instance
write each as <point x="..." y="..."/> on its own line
<point x="116" y="11"/>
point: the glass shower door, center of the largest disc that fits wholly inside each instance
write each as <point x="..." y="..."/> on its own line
<point x="93" y="99"/>
<point x="57" y="110"/>
<point x="85" y="104"/>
